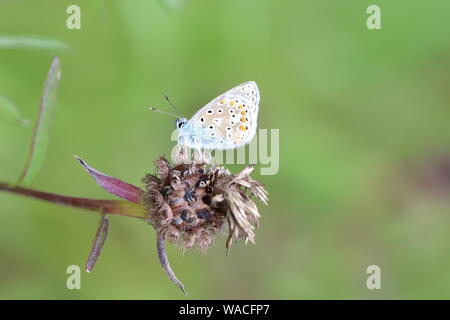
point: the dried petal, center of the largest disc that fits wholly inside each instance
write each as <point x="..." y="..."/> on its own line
<point x="162" y="255"/>
<point x="97" y="244"/>
<point x="113" y="185"/>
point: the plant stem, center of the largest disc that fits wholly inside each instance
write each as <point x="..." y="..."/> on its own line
<point x="119" y="207"/>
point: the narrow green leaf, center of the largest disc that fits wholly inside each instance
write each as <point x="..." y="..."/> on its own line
<point x="41" y="128"/>
<point x="11" y="111"/>
<point x="31" y="42"/>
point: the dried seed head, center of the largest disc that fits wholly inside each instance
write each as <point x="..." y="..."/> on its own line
<point x="188" y="204"/>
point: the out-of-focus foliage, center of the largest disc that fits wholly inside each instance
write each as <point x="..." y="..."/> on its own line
<point x="41" y="131"/>
<point x="30" y="42"/>
<point x="364" y="144"/>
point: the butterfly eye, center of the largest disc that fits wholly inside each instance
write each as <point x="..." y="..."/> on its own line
<point x="179" y="123"/>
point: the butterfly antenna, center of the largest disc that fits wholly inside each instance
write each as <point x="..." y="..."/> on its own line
<point x="173" y="106"/>
<point x="164" y="112"/>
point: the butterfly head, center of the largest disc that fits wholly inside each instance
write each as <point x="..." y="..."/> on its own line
<point x="180" y="122"/>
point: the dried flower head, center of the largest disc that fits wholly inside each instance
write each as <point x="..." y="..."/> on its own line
<point x="188" y="204"/>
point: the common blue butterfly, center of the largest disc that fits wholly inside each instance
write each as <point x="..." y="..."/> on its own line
<point x="227" y="122"/>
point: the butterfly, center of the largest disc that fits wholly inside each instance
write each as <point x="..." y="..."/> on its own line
<point x="227" y="122"/>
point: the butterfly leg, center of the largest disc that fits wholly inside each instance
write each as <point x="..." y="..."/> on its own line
<point x="200" y="154"/>
<point x="180" y="154"/>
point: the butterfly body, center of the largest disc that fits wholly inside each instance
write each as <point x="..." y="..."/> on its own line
<point x="227" y="122"/>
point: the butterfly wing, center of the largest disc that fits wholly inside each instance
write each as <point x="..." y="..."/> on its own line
<point x="229" y="121"/>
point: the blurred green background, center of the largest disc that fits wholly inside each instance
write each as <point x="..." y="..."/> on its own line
<point x="364" y="119"/>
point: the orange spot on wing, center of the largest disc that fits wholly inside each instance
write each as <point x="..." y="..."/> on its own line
<point x="232" y="103"/>
<point x="242" y="128"/>
<point x="243" y="119"/>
